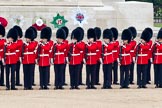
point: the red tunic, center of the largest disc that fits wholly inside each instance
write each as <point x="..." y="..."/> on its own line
<point x="10" y="54"/>
<point x="99" y="48"/>
<point x="107" y="54"/>
<point x="58" y="53"/>
<point x="157" y="53"/>
<point x="116" y="50"/>
<point x="44" y="55"/>
<point x="143" y="50"/>
<point x="74" y="53"/>
<point x="133" y="46"/>
<point x="150" y="52"/>
<point x="2" y="41"/>
<point x="125" y="55"/>
<point x="91" y="54"/>
<point x="19" y="48"/>
<point x="28" y="56"/>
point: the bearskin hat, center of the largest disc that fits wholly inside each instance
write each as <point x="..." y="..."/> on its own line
<point x="35" y="31"/>
<point x="126" y="35"/>
<point x="159" y="34"/>
<point x="134" y="31"/>
<point x="19" y="30"/>
<point x="77" y="34"/>
<point x="107" y="34"/>
<point x="82" y="33"/>
<point x="115" y="33"/>
<point x="146" y="35"/>
<point x="149" y="30"/>
<point x="30" y="34"/>
<point x="97" y="32"/>
<point x="91" y="33"/>
<point x="46" y="33"/>
<point x="61" y="33"/>
<point x="2" y="30"/>
<point x="66" y="31"/>
<point x="12" y="33"/>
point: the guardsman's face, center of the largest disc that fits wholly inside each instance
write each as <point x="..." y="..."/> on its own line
<point x="143" y="41"/>
<point x="10" y="39"/>
<point x="44" y="40"/>
<point x="1" y="36"/>
<point x="125" y="41"/>
<point x="91" y="40"/>
<point x="59" y="40"/>
<point x="107" y="40"/>
<point x="28" y="40"/>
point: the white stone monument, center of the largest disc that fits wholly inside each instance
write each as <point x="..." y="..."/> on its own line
<point x="102" y="13"/>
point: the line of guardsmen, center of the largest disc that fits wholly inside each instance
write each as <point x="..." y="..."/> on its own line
<point x="94" y="52"/>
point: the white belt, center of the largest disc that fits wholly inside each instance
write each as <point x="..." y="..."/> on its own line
<point x="125" y="54"/>
<point x="1" y="50"/>
<point x="114" y="50"/>
<point x="17" y="50"/>
<point x="158" y="53"/>
<point x="107" y="54"/>
<point x="97" y="50"/>
<point x="132" y="51"/>
<point x="59" y="53"/>
<point x="89" y="54"/>
<point x="26" y="53"/>
<point x="10" y="53"/>
<point x="75" y="54"/>
<point x="42" y="55"/>
<point x="142" y="54"/>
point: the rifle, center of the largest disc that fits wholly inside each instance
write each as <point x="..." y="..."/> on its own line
<point x="138" y="48"/>
<point x="4" y="49"/>
<point x="103" y="49"/>
<point x="54" y="51"/>
<point x="22" y="53"/>
<point x="38" y="52"/>
<point x="86" y="52"/>
<point x="120" y="53"/>
<point x="154" y="50"/>
<point x="70" y="52"/>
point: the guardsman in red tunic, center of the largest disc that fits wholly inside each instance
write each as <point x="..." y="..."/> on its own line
<point x="2" y="41"/>
<point x="133" y="44"/>
<point x="44" y="59"/>
<point x="150" y="57"/>
<point x="18" y="52"/>
<point x="90" y="59"/>
<point x="81" y="55"/>
<point x="74" y="58"/>
<point x="59" y="58"/>
<point x="125" y="58"/>
<point x="35" y="54"/>
<point x="142" y="59"/>
<point x="66" y="52"/>
<point x="157" y="60"/>
<point x="107" y="58"/>
<point x="115" y="55"/>
<point x="28" y="58"/>
<point x="10" y="58"/>
<point x="99" y="47"/>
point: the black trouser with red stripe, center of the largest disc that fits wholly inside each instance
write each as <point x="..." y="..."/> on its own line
<point x="90" y="75"/>
<point x="107" y="70"/>
<point x="28" y="75"/>
<point x="2" y="73"/>
<point x="131" y="74"/>
<point x="18" y="64"/>
<point x="10" y="68"/>
<point x="158" y="74"/>
<point x="59" y="69"/>
<point x="74" y="75"/>
<point x="115" y="71"/>
<point x="124" y="75"/>
<point x="141" y="74"/>
<point x="33" y="73"/>
<point x="80" y="73"/>
<point x="148" y="71"/>
<point x="97" y="73"/>
<point x="64" y="74"/>
<point x="43" y="70"/>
